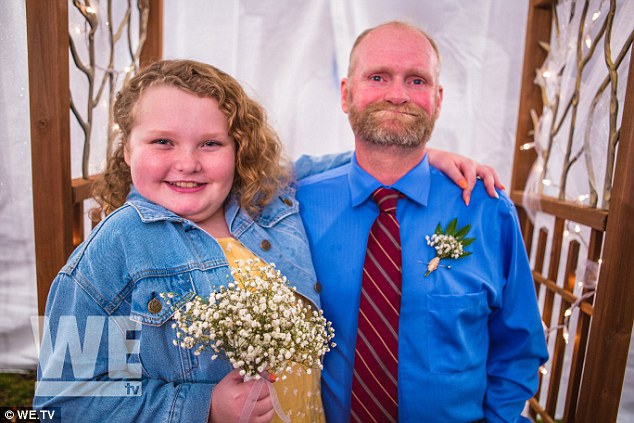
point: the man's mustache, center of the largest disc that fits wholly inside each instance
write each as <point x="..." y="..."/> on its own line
<point x="405" y="108"/>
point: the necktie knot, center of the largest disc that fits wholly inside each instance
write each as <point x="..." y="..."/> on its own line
<point x="386" y="199"/>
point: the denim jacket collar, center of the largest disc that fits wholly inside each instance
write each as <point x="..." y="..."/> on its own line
<point x="238" y="220"/>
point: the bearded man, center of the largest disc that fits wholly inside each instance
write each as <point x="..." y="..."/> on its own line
<point x="432" y="301"/>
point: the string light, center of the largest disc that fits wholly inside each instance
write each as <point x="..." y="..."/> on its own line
<point x="566" y="335"/>
<point x="566" y="323"/>
<point x="527" y="146"/>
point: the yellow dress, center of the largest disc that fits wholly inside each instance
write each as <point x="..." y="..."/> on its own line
<point x="300" y="393"/>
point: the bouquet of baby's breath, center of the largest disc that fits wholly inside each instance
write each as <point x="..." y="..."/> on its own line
<point x="257" y="322"/>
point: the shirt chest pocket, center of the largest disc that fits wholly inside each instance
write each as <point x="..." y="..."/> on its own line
<point x="457" y="331"/>
<point x="159" y="357"/>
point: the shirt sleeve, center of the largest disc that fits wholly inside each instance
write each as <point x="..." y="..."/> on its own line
<point x="517" y="340"/>
<point x="307" y="166"/>
<point x="75" y="373"/>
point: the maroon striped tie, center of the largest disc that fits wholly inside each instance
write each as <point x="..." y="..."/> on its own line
<point x="375" y="382"/>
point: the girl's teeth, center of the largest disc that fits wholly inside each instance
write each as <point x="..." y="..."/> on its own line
<point x="185" y="184"/>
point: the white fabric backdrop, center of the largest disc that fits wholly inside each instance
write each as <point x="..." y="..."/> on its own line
<point x="290" y="55"/>
<point x="17" y="257"/>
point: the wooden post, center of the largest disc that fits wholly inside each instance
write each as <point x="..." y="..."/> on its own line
<point x="153" y="47"/>
<point x="47" y="35"/>
<point x="612" y="320"/>
<point x="540" y="21"/>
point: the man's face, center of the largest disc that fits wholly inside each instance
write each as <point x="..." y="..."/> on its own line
<point x="392" y="95"/>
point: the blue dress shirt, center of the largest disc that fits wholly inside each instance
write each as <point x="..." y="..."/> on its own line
<point x="470" y="336"/>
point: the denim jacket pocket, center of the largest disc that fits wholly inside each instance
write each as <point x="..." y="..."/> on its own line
<point x="158" y="354"/>
<point x="148" y="305"/>
<point x="457" y="334"/>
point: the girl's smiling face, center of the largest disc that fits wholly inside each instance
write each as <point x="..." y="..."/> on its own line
<point x="181" y="155"/>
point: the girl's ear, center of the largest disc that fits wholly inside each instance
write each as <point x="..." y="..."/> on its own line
<point x="126" y="154"/>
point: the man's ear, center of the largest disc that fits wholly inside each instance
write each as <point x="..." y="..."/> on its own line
<point x="439" y="96"/>
<point x="344" y="95"/>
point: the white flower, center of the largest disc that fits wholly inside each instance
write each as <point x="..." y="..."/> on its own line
<point x="449" y="243"/>
<point x="257" y="323"/>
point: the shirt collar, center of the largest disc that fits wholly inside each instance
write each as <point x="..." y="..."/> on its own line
<point x="414" y="184"/>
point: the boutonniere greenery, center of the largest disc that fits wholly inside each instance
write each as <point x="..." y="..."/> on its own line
<point x="449" y="243"/>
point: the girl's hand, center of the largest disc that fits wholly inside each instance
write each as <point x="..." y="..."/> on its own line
<point x="229" y="397"/>
<point x="464" y="171"/>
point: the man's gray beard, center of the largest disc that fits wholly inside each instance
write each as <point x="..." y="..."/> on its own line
<point x="405" y="130"/>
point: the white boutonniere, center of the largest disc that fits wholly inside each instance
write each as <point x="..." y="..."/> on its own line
<point x="449" y="243"/>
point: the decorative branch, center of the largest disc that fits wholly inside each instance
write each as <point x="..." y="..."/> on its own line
<point x="614" y="110"/>
<point x="554" y="106"/>
<point x="574" y="100"/>
<point x="582" y="62"/>
<point x="568" y="115"/>
<point x="90" y="15"/>
<point x="586" y="149"/>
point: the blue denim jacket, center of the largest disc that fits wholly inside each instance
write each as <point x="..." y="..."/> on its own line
<point x="110" y="290"/>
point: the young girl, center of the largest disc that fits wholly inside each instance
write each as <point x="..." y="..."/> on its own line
<point x="196" y="181"/>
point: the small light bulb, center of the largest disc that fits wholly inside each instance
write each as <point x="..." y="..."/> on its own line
<point x="547" y="182"/>
<point x="546" y="74"/>
<point x="527" y="146"/>
<point x="596" y="15"/>
<point x="568" y="312"/>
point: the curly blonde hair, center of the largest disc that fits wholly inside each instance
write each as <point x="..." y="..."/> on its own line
<point x="261" y="170"/>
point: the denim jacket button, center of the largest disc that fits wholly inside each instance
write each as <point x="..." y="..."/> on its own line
<point x="287" y="201"/>
<point x="317" y="287"/>
<point x="265" y="245"/>
<point x="154" y="306"/>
